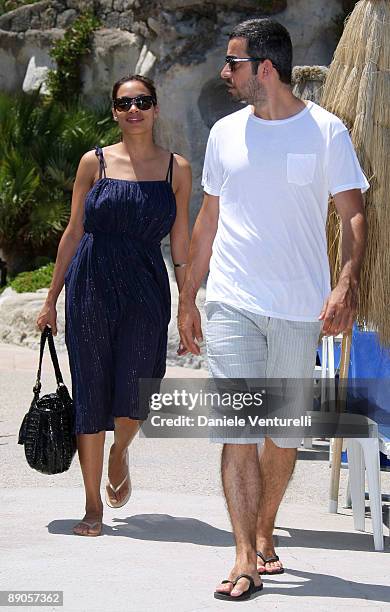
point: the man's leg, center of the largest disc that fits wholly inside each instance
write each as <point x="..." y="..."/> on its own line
<point x="241" y="485"/>
<point x="237" y="349"/>
<point x="291" y="354"/>
<point x="273" y="486"/>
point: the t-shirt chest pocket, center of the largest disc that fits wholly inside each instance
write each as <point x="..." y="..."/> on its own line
<point x="300" y="168"/>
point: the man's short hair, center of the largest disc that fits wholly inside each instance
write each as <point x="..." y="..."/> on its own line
<point x="269" y="39"/>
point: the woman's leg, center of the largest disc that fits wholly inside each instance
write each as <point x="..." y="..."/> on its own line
<point x="91" y="453"/>
<point x="124" y="432"/>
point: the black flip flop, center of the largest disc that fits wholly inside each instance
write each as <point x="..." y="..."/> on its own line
<point x="269" y="560"/>
<point x="245" y="595"/>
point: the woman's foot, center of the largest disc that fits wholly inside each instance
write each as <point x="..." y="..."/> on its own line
<point x="91" y="525"/>
<point x="118" y="487"/>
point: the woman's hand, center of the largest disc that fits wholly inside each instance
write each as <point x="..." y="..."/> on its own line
<point x="181" y="350"/>
<point x="48" y="316"/>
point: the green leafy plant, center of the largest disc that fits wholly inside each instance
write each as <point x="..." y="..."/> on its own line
<point x="64" y="82"/>
<point x="31" y="281"/>
<point x="11" y="5"/>
<point x="41" y="144"/>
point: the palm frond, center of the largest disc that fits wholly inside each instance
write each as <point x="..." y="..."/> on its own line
<point x="47" y="220"/>
<point x="19" y="185"/>
<point x="41" y="143"/>
<point x="19" y="178"/>
<point x="60" y="170"/>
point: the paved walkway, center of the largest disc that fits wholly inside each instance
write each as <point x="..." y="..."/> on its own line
<point x="172" y="542"/>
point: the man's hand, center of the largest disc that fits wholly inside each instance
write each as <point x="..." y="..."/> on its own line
<point x="189" y="321"/>
<point x="189" y="325"/>
<point x="339" y="309"/>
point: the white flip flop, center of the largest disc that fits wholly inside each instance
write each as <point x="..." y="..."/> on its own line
<point x="124" y="501"/>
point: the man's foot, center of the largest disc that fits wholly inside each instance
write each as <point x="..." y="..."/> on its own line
<point x="118" y="487"/>
<point x="267" y="560"/>
<point x="91" y="525"/>
<point x="227" y="587"/>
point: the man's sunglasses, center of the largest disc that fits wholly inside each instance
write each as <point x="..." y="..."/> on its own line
<point x="234" y="61"/>
<point x="142" y="103"/>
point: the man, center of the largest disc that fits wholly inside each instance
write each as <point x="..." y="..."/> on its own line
<point x="268" y="172"/>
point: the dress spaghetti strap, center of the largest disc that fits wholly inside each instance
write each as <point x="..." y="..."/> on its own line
<point x="102" y="163"/>
<point x="168" y="178"/>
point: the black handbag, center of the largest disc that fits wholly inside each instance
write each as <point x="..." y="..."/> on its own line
<point x="47" y="428"/>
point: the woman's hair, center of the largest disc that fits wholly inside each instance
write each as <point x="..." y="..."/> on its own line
<point x="136" y="77"/>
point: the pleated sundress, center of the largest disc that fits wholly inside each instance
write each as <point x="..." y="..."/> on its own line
<point x="118" y="302"/>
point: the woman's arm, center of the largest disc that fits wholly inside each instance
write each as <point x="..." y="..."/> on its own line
<point x="180" y="237"/>
<point x="71" y="237"/>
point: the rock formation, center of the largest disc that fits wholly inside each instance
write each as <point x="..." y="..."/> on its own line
<point x="179" y="43"/>
<point x="19" y="311"/>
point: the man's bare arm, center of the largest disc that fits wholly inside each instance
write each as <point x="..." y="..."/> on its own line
<point x="198" y="264"/>
<point x="339" y="310"/>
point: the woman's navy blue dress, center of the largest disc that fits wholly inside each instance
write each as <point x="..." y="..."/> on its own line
<point x="118" y="302"/>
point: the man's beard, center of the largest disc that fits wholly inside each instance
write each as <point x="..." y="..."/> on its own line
<point x="254" y="93"/>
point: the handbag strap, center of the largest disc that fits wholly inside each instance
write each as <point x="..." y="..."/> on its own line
<point x="60" y="381"/>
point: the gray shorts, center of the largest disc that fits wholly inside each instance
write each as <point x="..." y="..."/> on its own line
<point x="241" y="344"/>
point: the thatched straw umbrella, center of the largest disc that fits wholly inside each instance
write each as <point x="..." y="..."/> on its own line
<point x="357" y="89"/>
<point x="308" y="82"/>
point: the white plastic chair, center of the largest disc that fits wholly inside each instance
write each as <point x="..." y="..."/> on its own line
<point x="363" y="454"/>
<point x="326" y="373"/>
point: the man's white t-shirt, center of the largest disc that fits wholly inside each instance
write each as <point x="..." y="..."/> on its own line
<point x="273" y="179"/>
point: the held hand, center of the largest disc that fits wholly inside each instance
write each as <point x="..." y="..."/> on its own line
<point x="48" y="316"/>
<point x="181" y="350"/>
<point x="190" y="330"/>
<point x="339" y="310"/>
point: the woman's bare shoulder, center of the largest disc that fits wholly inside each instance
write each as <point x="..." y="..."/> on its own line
<point x="181" y="162"/>
<point x="182" y="174"/>
<point x="88" y="165"/>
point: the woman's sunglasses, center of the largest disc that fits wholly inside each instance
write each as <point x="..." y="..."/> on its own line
<point x="141" y="102"/>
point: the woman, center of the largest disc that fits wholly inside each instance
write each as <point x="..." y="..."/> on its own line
<point x="125" y="200"/>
